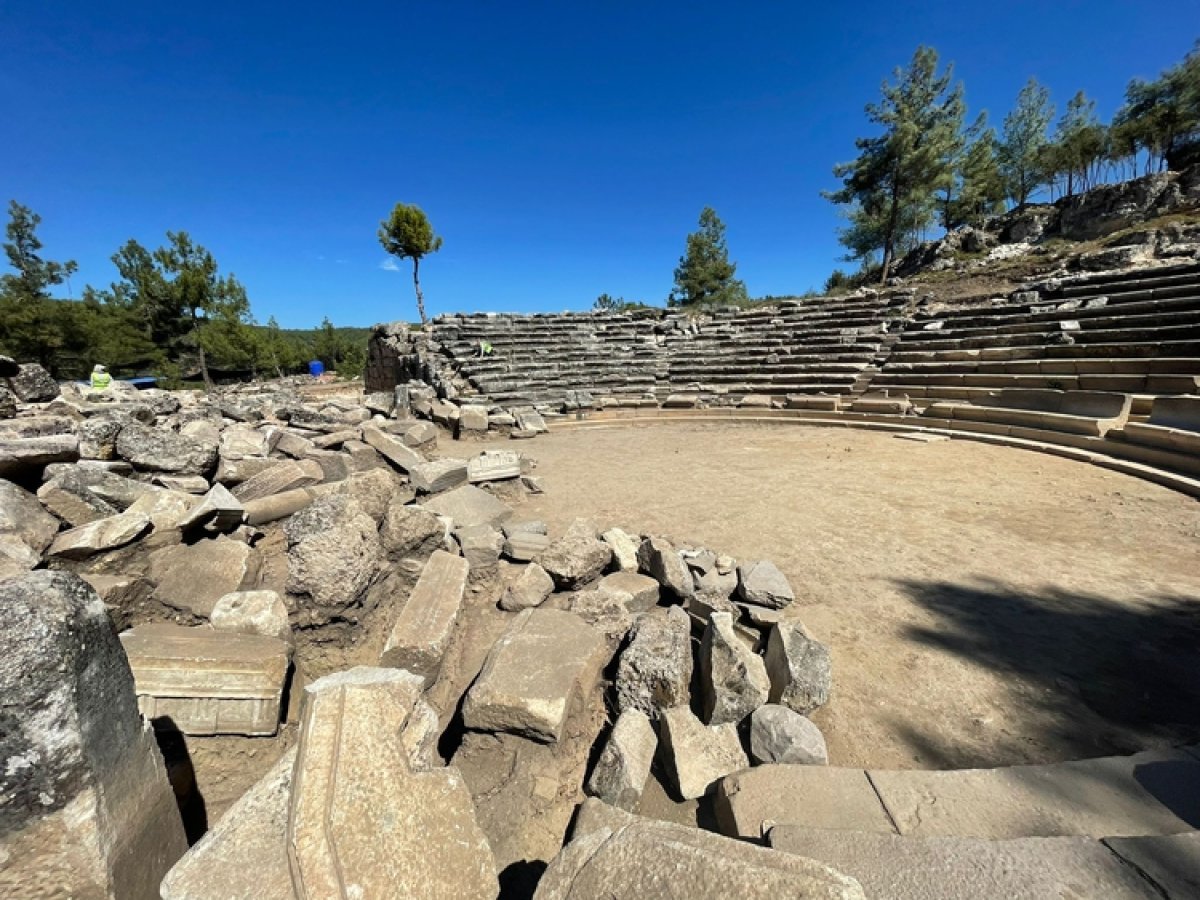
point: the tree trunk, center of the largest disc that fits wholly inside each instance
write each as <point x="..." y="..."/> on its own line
<point x="208" y="384"/>
<point x="417" y="286"/>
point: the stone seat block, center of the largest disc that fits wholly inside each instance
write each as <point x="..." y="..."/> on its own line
<point x="422" y="632"/>
<point x="207" y="682"/>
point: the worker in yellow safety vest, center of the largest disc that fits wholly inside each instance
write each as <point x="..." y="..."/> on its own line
<point x="100" y="378"/>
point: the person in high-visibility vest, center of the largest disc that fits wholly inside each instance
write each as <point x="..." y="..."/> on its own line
<point x="100" y="378"/>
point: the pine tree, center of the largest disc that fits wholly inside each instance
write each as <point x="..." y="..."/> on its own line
<point x="1079" y="145"/>
<point x="705" y="274"/>
<point x="407" y="234"/>
<point x="1020" y="153"/>
<point x="890" y="189"/>
<point x="980" y="187"/>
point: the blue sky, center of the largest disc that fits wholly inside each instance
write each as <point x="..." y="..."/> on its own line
<point x="563" y="150"/>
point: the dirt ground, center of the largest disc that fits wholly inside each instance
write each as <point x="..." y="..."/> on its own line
<point x="984" y="606"/>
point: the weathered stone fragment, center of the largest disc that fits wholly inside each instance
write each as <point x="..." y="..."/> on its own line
<point x="218" y="511"/>
<point x="438" y="475"/>
<point x="655" y="669"/>
<point x="187" y="484"/>
<point x="468" y="505"/>
<point x="662" y="562"/>
<point x="615" y="854"/>
<point x="473" y="420"/>
<point x="393" y="449"/>
<point x="236" y="471"/>
<point x="524" y="546"/>
<point x="624" y="765"/>
<point x="529" y="589"/>
<point x="160" y="450"/>
<point x="639" y="593"/>
<point x="422" y="435"/>
<point x="577" y="557"/>
<point x="362" y="823"/>
<point x="422" y="631"/>
<point x="85" y="807"/>
<point x="780" y="735"/>
<point x="22" y="516"/>
<point x="33" y="384"/>
<point x="605" y="612"/>
<point x="480" y="546"/>
<point x="286" y="475"/>
<point x="411" y="531"/>
<point x="799" y="668"/>
<point x="764" y="584"/>
<point x="294" y="445"/>
<point x="193" y="577"/>
<point x="165" y="509"/>
<point x="202" y="681"/>
<point x="696" y="755"/>
<point x="531" y="673"/>
<point x="376" y="490"/>
<point x="98" y="436"/>
<point x="624" y="548"/>
<point x="96" y="537"/>
<point x="333" y="551"/>
<point x="241" y="441"/>
<point x="21" y="454"/>
<point x="733" y="679"/>
<point x="494" y="465"/>
<point x="8" y="403"/>
<point x="252" y="612"/>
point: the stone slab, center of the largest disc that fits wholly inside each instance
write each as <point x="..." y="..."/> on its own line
<point x="422" y="631"/>
<point x="1172" y="862"/>
<point x="493" y="465"/>
<point x="1156" y="792"/>
<point x="751" y="802"/>
<point x="532" y="672"/>
<point x="207" y="682"/>
<point x="696" y="755"/>
<point x="907" y="868"/>
<point x="468" y="505"/>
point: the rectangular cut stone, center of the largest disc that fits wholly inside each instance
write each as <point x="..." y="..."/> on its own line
<point x="205" y="681"/>
<point x="363" y="822"/>
<point x="393" y="449"/>
<point x="423" y="629"/>
<point x="438" y="475"/>
<point x="285" y="476"/>
<point x="468" y="505"/>
<point x="1103" y="797"/>
<point x="531" y="673"/>
<point x="494" y="465"/>
<point x="748" y="802"/>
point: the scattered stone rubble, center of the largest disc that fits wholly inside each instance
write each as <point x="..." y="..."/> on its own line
<point x="306" y="570"/>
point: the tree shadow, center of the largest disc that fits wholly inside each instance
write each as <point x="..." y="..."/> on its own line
<point x="1114" y="676"/>
<point x="182" y="775"/>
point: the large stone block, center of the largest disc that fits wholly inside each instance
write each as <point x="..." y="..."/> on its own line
<point x="613" y="854"/>
<point x="160" y="450"/>
<point x="393" y="449"/>
<point x="468" y="505"/>
<point x="621" y="771"/>
<point x="733" y="679"/>
<point x="655" y="669"/>
<point x="333" y="553"/>
<point x="286" y="475"/>
<point x="531" y="674"/>
<point x="192" y="577"/>
<point x="494" y="465"/>
<point x="422" y="631"/>
<point x="696" y="755"/>
<point x="577" y="557"/>
<point x="362" y="822"/>
<point x="85" y="807"/>
<point x="438" y="475"/>
<point x="799" y="668"/>
<point x="33" y="384"/>
<point x="96" y="537"/>
<point x="662" y="562"/>
<point x="201" y="681"/>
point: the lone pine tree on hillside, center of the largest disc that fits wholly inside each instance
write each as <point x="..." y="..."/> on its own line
<point x="1021" y="153"/>
<point x="407" y="234"/>
<point x="891" y="187"/>
<point x="705" y="274"/>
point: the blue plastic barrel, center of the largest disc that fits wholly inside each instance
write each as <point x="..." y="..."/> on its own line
<point x="316" y="368"/>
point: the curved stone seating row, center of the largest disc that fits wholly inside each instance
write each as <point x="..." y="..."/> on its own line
<point x="1075" y="412"/>
<point x="1174" y="425"/>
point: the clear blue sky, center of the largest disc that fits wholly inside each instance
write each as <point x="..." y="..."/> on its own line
<point x="563" y="149"/>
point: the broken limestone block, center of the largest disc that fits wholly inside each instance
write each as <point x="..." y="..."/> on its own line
<point x="185" y="484"/>
<point x="533" y="483"/>
<point x="200" y="681"/>
<point x="333" y="551"/>
<point x="696" y="755"/>
<point x="393" y="449"/>
<point x="244" y="855"/>
<point x="286" y="475"/>
<point x="160" y="450"/>
<point x="22" y="516"/>
<point x="624" y="548"/>
<point x="235" y="471"/>
<point x="638" y="592"/>
<point x="165" y="509"/>
<point x="240" y="441"/>
<point x="33" y="384"/>
<point x="524" y="546"/>
<point x="577" y="557"/>
<point x="733" y="680"/>
<point x="382" y="402"/>
<point x="19" y="455"/>
<point x="193" y="577"/>
<point x="494" y="465"/>
<point x="532" y="672"/>
<point x="615" y="854"/>
<point x="438" y="475"/>
<point x="529" y="589"/>
<point x="529" y="420"/>
<point x="473" y="419"/>
<point x="662" y="562"/>
<point x="780" y="735"/>
<point x="362" y="822"/>
<point x="422" y="631"/>
<point x="96" y="537"/>
<point x="624" y="765"/>
<point x="480" y="546"/>
<point x="219" y="510"/>
<point x="764" y="584"/>
<point x="252" y="612"/>
<point x="799" y="668"/>
<point x="85" y="806"/>
<point x="655" y="670"/>
<point x="292" y="444"/>
<point x="468" y="505"/>
<point x="605" y="612"/>
<point x="422" y="435"/>
<point x="411" y="531"/>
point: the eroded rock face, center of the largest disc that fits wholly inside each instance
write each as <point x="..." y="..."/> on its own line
<point x="577" y="557"/>
<point x="333" y="552"/>
<point x="733" y="678"/>
<point x="85" y="806"/>
<point x="33" y="384"/>
<point x="160" y="450"/>
<point x="655" y="669"/>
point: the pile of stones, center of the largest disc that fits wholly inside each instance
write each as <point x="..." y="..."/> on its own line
<point x="298" y="565"/>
